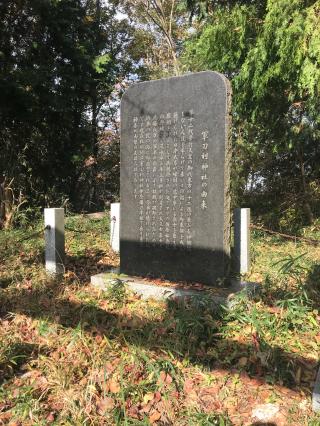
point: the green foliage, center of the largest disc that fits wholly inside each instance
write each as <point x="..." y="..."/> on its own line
<point x="100" y="62"/>
<point x="117" y="292"/>
<point x="284" y="65"/>
<point x="60" y="62"/>
<point x="225" y="41"/>
<point x="203" y="419"/>
<point x="272" y="56"/>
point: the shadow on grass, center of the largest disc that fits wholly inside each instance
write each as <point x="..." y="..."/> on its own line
<point x="263" y="424"/>
<point x="15" y="356"/>
<point x="5" y="282"/>
<point x="86" y="265"/>
<point x="185" y="332"/>
<point x="312" y="285"/>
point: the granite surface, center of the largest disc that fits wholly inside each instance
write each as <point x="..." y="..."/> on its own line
<point x="175" y="215"/>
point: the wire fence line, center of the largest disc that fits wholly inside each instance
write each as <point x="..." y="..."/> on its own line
<point x="26" y="238"/>
<point x="39" y="232"/>
<point x="33" y="235"/>
<point x="252" y="226"/>
<point x="287" y="236"/>
<point x="77" y="231"/>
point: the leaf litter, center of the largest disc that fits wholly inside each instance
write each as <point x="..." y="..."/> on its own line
<point x="71" y="355"/>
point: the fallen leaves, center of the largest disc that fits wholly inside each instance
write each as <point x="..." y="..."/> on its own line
<point x="148" y="397"/>
<point x="164" y="378"/>
<point x="134" y="358"/>
<point x="243" y="361"/>
<point x="114" y="386"/>
<point x="105" y="405"/>
<point x="155" y="416"/>
<point x="50" y="418"/>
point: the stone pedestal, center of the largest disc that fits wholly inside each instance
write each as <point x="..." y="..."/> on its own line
<point x="147" y="289"/>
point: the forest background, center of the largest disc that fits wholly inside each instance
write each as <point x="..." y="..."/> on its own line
<point x="64" y="65"/>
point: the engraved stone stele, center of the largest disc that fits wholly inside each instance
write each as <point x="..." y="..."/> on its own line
<point x="175" y="214"/>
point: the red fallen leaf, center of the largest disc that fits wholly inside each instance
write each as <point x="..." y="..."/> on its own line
<point x="165" y="378"/>
<point x="50" y="417"/>
<point x="157" y="396"/>
<point x="83" y="381"/>
<point x="217" y="405"/>
<point x="5" y="416"/>
<point x="86" y="351"/>
<point x="155" y="416"/>
<point x="256" y="342"/>
<point x="175" y="394"/>
<point x="188" y="386"/>
<point x="16" y="392"/>
<point x="55" y="355"/>
<point x="138" y="377"/>
<point x="105" y="386"/>
<point x="128" y="368"/>
<point x="264" y="394"/>
<point x="98" y="339"/>
<point x="56" y="405"/>
<point x="109" y="367"/>
<point x="104" y="304"/>
<point x="212" y="390"/>
<point x="256" y="382"/>
<point x="162" y="377"/>
<point x="41" y="383"/>
<point x="114" y="386"/>
<point x="168" y="379"/>
<point x="274" y="309"/>
<point x="244" y="375"/>
<point x="147" y="407"/>
<point x="104" y="405"/>
<point x="133" y="412"/>
<point x="161" y="331"/>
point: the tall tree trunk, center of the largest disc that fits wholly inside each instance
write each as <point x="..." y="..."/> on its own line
<point x="306" y="197"/>
<point x="94" y="121"/>
<point x="94" y="136"/>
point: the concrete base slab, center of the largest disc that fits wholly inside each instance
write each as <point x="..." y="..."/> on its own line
<point x="151" y="290"/>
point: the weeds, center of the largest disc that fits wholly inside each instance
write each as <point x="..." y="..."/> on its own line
<point x="117" y="292"/>
<point x="202" y="419"/>
<point x="70" y="354"/>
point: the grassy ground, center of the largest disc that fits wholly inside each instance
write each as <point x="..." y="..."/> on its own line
<point x="72" y="355"/>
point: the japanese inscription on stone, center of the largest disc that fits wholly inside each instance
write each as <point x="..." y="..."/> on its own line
<point x="175" y="178"/>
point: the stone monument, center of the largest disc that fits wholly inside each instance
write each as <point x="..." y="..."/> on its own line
<point x="174" y="186"/>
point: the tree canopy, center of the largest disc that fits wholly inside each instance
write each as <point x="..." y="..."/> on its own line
<point x="273" y="61"/>
<point x="65" y="64"/>
<point x="61" y="61"/>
